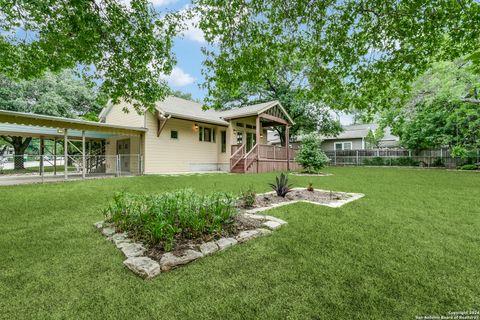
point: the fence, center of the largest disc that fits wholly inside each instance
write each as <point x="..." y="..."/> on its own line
<point x="400" y="157"/>
<point x="118" y="165"/>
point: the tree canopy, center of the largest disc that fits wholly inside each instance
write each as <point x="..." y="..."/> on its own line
<point x="53" y="94"/>
<point x="345" y="53"/>
<point x="125" y="44"/>
<point x="438" y="112"/>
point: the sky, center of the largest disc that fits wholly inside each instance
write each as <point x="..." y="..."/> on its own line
<point x="186" y="75"/>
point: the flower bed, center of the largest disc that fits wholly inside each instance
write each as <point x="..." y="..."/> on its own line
<point x="161" y="232"/>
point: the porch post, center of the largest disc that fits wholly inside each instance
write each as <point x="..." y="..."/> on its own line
<point x="258" y="130"/>
<point x="65" y="153"/>
<point x="287" y="139"/>
<point x="84" y="168"/>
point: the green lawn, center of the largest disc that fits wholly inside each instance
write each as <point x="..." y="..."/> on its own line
<point x="410" y="247"/>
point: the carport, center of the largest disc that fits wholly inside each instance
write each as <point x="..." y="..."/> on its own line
<point x="75" y="135"/>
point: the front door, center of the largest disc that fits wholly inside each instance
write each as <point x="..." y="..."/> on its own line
<point x="251" y="137"/>
<point x="123" y="151"/>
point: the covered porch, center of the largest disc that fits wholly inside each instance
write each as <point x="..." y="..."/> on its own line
<point x="253" y="156"/>
<point x="54" y="148"/>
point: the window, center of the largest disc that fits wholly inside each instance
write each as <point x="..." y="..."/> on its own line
<point x="239" y="137"/>
<point x="223" y="138"/>
<point x="174" y="134"/>
<point x="206" y="134"/>
<point x="239" y="124"/>
<point x="343" y="145"/>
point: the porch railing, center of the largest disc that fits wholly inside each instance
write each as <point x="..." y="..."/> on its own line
<point x="238" y="152"/>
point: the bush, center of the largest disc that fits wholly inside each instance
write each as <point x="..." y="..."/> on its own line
<point x="310" y="156"/>
<point x="247" y="198"/>
<point x="375" y="161"/>
<point x="468" y="167"/>
<point x="157" y="219"/>
<point x="405" y="161"/>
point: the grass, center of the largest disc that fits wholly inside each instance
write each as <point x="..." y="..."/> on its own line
<point x="409" y="248"/>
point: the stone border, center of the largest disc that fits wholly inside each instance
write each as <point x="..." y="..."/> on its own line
<point x="148" y="268"/>
<point x="332" y="204"/>
<point x="299" y="174"/>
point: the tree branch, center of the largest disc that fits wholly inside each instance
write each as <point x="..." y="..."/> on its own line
<point x="470" y="100"/>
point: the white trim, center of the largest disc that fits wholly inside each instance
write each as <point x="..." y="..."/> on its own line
<point x="343" y="145"/>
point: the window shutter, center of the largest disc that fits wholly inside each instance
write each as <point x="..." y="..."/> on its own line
<point x="200" y="133"/>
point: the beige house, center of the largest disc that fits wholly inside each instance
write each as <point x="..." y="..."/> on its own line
<point x="182" y="137"/>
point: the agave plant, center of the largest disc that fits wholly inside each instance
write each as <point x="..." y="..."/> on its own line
<point x="281" y="187"/>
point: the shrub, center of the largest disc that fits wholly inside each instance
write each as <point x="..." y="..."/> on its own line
<point x="405" y="161"/>
<point x="247" y="198"/>
<point x="375" y="161"/>
<point x="158" y="219"/>
<point x="468" y="167"/>
<point x="310" y="156"/>
<point x="281" y="187"/>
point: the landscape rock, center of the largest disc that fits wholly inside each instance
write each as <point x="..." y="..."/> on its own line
<point x="119" y="238"/>
<point x="170" y="261"/>
<point x="263" y="231"/>
<point x="143" y="266"/>
<point x="224" y="243"/>
<point x="208" y="248"/>
<point x="108" y="232"/>
<point x="272" y="225"/>
<point x="132" y="249"/>
<point x="247" y="235"/>
<point x="99" y="224"/>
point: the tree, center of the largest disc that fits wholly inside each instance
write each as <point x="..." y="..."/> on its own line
<point x="54" y="94"/>
<point x="310" y="156"/>
<point x="183" y="95"/>
<point x="374" y="138"/>
<point x="435" y="113"/>
<point x="350" y="54"/>
<point x="308" y="115"/>
<point x="126" y="45"/>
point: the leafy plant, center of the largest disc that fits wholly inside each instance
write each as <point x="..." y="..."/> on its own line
<point x="158" y="219"/>
<point x="310" y="187"/>
<point x="281" y="187"/>
<point x="248" y="198"/>
<point x="310" y="156"/>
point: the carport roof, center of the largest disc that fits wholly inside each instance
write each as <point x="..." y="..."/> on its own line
<point x="28" y="124"/>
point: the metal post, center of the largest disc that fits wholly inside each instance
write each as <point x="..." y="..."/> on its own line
<point x="42" y="152"/>
<point x="65" y="153"/>
<point x="335" y="156"/>
<point x="84" y="168"/>
<point x="55" y="156"/>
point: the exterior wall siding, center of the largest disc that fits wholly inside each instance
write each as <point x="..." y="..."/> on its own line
<point x="164" y="154"/>
<point x="329" y="145"/>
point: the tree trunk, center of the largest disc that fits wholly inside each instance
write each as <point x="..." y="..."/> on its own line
<point x="19" y="146"/>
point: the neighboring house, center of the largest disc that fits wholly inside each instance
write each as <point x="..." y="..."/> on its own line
<point x="9" y="151"/>
<point x="182" y="137"/>
<point x="353" y="137"/>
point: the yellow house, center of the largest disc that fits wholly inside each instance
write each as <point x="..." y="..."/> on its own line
<point x="182" y="137"/>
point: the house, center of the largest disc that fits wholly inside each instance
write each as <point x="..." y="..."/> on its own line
<point x="183" y="137"/>
<point x="353" y="137"/>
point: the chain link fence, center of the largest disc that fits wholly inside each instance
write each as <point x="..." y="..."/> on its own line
<point x="118" y="165"/>
<point x="401" y="157"/>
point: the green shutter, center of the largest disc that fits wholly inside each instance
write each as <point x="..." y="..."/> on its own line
<point x="200" y="133"/>
<point x="213" y="134"/>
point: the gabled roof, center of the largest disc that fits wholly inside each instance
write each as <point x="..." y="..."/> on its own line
<point x="189" y="110"/>
<point x="355" y="131"/>
<point x="253" y="110"/>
